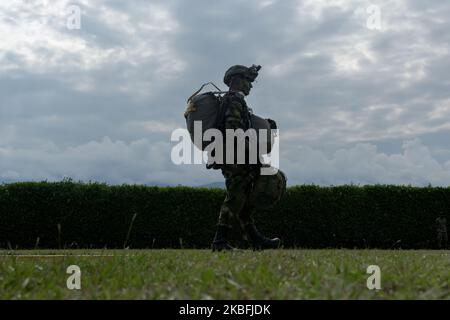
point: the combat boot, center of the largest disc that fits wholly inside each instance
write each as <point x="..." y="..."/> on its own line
<point x="258" y="241"/>
<point x="220" y="242"/>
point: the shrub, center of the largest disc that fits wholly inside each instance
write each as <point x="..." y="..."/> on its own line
<point x="78" y="215"/>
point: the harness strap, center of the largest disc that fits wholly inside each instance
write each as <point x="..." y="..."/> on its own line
<point x="201" y="88"/>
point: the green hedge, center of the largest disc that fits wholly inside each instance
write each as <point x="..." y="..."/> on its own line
<point x="77" y="215"/>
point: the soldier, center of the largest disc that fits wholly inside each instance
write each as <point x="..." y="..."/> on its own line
<point x="239" y="178"/>
<point x="441" y="229"/>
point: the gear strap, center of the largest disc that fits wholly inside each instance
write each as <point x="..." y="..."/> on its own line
<point x="201" y="88"/>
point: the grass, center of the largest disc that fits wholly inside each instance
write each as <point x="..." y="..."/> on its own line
<point x="200" y="274"/>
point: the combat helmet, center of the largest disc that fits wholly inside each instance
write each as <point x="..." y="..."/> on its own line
<point x="251" y="73"/>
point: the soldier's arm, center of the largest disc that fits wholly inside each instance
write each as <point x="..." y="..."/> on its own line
<point x="234" y="120"/>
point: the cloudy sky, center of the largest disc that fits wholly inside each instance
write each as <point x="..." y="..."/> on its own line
<point x="354" y="104"/>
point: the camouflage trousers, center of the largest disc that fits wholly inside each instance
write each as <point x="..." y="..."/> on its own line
<point x="239" y="183"/>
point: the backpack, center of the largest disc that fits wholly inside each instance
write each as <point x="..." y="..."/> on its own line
<point x="207" y="108"/>
<point x="268" y="190"/>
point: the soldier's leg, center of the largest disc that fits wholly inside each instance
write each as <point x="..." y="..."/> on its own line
<point x="238" y="186"/>
<point x="246" y="213"/>
<point x="256" y="239"/>
<point x="226" y="215"/>
<point x="232" y="205"/>
<point x="224" y="226"/>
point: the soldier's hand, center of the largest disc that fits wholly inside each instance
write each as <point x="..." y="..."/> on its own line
<point x="273" y="124"/>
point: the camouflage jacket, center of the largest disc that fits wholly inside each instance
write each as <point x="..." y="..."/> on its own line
<point x="236" y="112"/>
<point x="236" y="115"/>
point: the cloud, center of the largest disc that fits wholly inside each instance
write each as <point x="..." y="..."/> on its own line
<point x="341" y="93"/>
<point x="365" y="164"/>
<point x="115" y="162"/>
<point x="144" y="161"/>
<point x="110" y="42"/>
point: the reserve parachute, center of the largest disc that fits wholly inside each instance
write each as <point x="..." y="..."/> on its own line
<point x="268" y="190"/>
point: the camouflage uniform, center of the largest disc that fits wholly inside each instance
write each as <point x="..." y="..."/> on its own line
<point x="239" y="178"/>
<point x="441" y="228"/>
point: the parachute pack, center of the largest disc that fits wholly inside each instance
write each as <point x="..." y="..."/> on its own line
<point x="207" y="108"/>
<point x="268" y="190"/>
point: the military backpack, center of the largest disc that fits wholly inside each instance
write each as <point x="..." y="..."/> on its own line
<point x="207" y="108"/>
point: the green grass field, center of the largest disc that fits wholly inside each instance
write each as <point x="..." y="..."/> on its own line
<point x="200" y="274"/>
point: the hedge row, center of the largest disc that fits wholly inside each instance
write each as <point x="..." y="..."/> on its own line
<point x="77" y="215"/>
